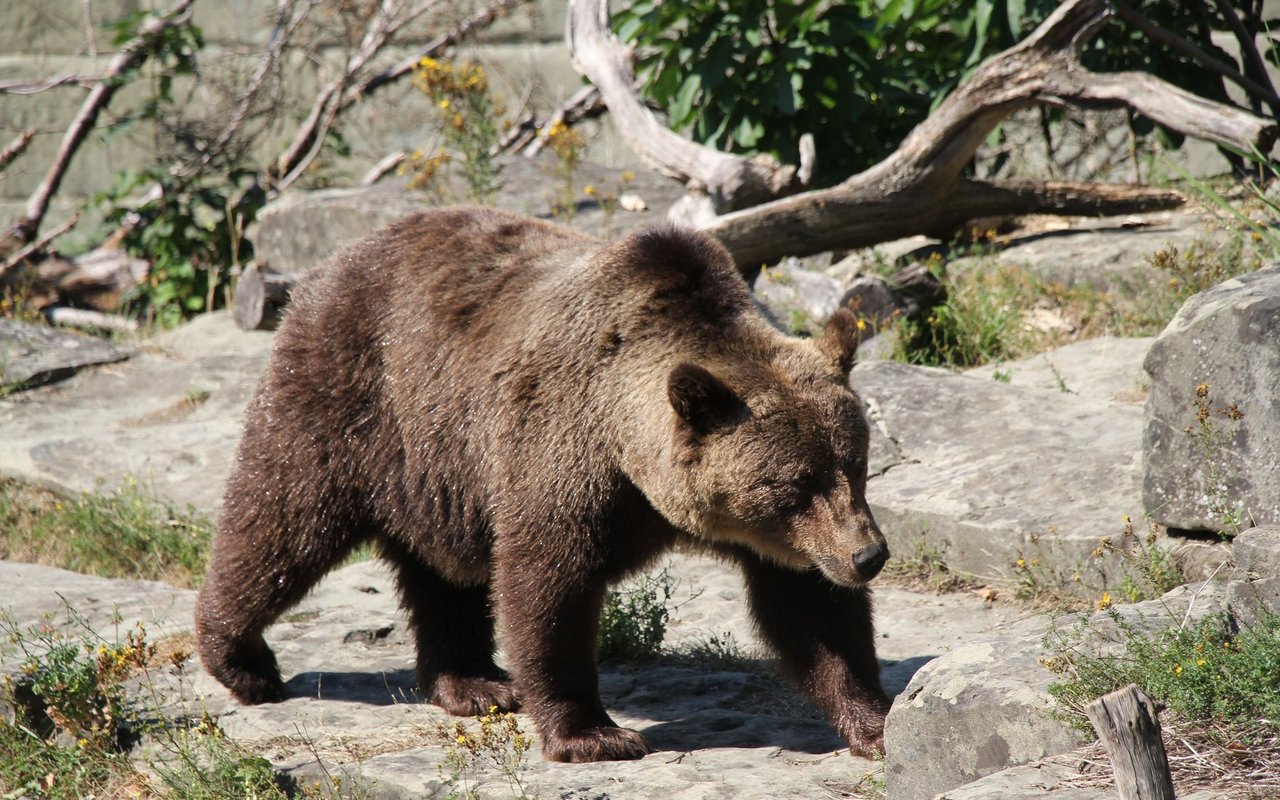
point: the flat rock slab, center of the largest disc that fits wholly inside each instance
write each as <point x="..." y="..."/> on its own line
<point x="170" y="416"/>
<point x="984" y="472"/>
<point x="1109" y="253"/>
<point x="731" y="729"/>
<point x="33" y="354"/>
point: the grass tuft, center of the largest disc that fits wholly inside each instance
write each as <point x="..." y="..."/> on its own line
<point x="125" y="533"/>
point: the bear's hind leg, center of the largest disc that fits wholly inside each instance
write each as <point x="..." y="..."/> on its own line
<point x="261" y="566"/>
<point x="453" y="627"/>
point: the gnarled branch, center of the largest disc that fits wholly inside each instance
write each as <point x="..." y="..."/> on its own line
<point x="920" y="187"/>
<point x="731" y="181"/>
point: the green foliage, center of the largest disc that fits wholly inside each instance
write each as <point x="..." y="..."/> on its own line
<point x="753" y="75"/>
<point x="33" y="767"/>
<point x="633" y="623"/>
<point x="125" y="533"/>
<point x="1214" y="671"/>
<point x="203" y="764"/>
<point x="191" y="233"/>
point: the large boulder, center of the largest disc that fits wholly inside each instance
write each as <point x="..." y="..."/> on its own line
<point x="1220" y="470"/>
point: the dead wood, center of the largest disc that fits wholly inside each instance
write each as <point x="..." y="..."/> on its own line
<point x="259" y="298"/>
<point x="129" y="57"/>
<point x="1127" y="724"/>
<point x="731" y="181"/>
<point x="16" y="147"/>
<point x="921" y="187"/>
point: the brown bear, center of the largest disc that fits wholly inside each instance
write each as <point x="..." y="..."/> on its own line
<point x="518" y="415"/>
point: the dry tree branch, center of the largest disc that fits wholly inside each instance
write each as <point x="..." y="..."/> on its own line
<point x="32" y="248"/>
<point x="920" y="188"/>
<point x="731" y="181"/>
<point x="130" y="56"/>
<point x="16" y="147"/>
<point x="353" y="86"/>
<point x="45" y="84"/>
<point x="1191" y="49"/>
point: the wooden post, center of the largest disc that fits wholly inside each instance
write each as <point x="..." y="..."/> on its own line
<point x="259" y="297"/>
<point x="1126" y="723"/>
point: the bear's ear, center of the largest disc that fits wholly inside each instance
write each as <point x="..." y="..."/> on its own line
<point x="701" y="400"/>
<point x="840" y="338"/>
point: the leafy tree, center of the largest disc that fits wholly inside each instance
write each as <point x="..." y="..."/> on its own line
<point x="754" y="75"/>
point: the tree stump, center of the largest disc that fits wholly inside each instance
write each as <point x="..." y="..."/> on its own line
<point x="1126" y="723"/>
<point x="260" y="297"/>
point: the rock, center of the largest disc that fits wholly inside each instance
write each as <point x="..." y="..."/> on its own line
<point x="984" y="707"/>
<point x="973" y="711"/>
<point x="32" y="354"/>
<point x="731" y="728"/>
<point x="1074" y="369"/>
<point x="1226" y="472"/>
<point x="951" y="456"/>
<point x="1108" y="254"/>
<point x="799" y="300"/>
<point x="301" y="228"/>
<point x="1257" y="553"/>
<point x="170" y="416"/>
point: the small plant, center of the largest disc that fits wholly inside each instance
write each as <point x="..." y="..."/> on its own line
<point x="127" y="532"/>
<point x="569" y="146"/>
<point x="471" y="118"/>
<point x="925" y="567"/>
<point x="1213" y="442"/>
<point x="499" y="745"/>
<point x="717" y="651"/>
<point x="191" y="232"/>
<point x="202" y="763"/>
<point x="608" y="200"/>
<point x="1216" y="673"/>
<point x="1149" y="570"/>
<point x="633" y="622"/>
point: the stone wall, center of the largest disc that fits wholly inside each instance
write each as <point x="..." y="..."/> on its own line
<point x="39" y="38"/>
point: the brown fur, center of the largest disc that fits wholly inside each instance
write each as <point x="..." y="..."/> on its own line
<point x="519" y="415"/>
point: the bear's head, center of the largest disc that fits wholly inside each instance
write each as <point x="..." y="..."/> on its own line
<point x="773" y="456"/>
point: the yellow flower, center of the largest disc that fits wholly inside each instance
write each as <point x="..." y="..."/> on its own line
<point x="589" y="190"/>
<point x="1199" y="662"/>
<point x="862" y="324"/>
<point x="1021" y="563"/>
<point x="462" y="739"/>
<point x="628" y="176"/>
<point x="1177" y="669"/>
<point x="1202" y="390"/>
<point x="444" y="104"/>
<point x="1104" y="602"/>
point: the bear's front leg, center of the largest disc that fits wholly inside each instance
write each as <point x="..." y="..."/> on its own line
<point x="550" y="624"/>
<point x="824" y="636"/>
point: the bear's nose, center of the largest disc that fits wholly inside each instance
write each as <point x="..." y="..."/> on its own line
<point x="870" y="560"/>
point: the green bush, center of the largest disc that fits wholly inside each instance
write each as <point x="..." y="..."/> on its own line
<point x="753" y="75"/>
<point x="633" y="623"/>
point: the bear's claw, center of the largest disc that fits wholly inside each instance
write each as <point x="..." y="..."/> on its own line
<point x="472" y="696"/>
<point x="603" y="743"/>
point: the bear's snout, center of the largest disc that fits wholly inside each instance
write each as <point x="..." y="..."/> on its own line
<point x="870" y="560"/>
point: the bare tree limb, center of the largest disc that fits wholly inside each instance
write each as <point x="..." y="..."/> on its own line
<point x="16" y="147"/>
<point x="919" y="188"/>
<point x="379" y="171"/>
<point x="1191" y="49"/>
<point x="731" y="181"/>
<point x="1254" y="67"/>
<point x="353" y="86"/>
<point x="45" y="84"/>
<point x="130" y="56"/>
<point x="34" y="247"/>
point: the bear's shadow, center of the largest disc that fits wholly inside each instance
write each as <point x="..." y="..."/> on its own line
<point x="686" y="707"/>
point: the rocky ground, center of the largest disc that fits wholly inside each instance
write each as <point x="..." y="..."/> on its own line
<point x="968" y="469"/>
